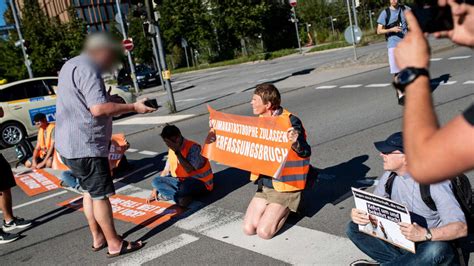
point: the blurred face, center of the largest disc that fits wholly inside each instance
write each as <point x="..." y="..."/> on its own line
<point x="258" y="107"/>
<point x="42" y="123"/>
<point x="394" y="3"/>
<point x="393" y="161"/>
<point x="172" y="140"/>
<point x="105" y="58"/>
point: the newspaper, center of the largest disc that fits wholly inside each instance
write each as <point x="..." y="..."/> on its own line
<point x="384" y="216"/>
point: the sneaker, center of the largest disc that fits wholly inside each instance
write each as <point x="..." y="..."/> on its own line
<point x="16" y="223"/>
<point x="63" y="184"/>
<point x="7" y="237"/>
<point x="364" y="263"/>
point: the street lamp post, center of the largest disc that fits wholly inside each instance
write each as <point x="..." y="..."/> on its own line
<point x="152" y="18"/>
<point x="20" y="36"/>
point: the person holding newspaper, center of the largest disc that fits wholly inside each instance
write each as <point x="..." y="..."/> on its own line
<point x="433" y="228"/>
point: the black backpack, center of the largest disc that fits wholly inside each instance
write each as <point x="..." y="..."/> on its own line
<point x="462" y="190"/>
<point x="394" y="24"/>
<point x="24" y="150"/>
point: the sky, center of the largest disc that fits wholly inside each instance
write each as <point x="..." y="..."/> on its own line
<point x="3" y="7"/>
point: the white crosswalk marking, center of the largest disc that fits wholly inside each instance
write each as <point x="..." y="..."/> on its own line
<point x="378" y="85"/>
<point x="459" y="57"/>
<point x="436" y="59"/>
<point x="152" y="120"/>
<point x="151" y="253"/>
<point x="297" y="245"/>
<point x="150" y="153"/>
<point x="132" y="150"/>
<point x="468" y="82"/>
<point x="325" y="87"/>
<point x="351" y="86"/>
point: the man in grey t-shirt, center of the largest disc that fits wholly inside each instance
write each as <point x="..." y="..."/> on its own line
<point x="431" y="230"/>
<point x="392" y="23"/>
<point x="84" y="112"/>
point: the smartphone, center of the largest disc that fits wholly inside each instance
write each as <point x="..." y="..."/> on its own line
<point x="431" y="17"/>
<point x="152" y="103"/>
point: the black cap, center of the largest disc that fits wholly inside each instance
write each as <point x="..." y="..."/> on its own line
<point x="391" y="144"/>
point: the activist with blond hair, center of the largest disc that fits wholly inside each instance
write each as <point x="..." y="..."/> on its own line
<point x="277" y="197"/>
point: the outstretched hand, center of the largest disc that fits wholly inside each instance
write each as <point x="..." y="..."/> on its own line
<point x="463" y="21"/>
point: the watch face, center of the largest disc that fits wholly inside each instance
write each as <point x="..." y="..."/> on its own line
<point x="406" y="76"/>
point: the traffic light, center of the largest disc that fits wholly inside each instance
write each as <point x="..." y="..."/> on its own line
<point x="139" y="11"/>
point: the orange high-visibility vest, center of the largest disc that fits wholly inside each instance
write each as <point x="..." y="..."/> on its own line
<point x="294" y="172"/>
<point x="203" y="174"/>
<point x="45" y="144"/>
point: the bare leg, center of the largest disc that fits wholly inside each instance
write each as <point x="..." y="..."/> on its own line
<point x="98" y="237"/>
<point x="28" y="164"/>
<point x="254" y="212"/>
<point x="103" y="215"/>
<point x="272" y="220"/>
<point x="49" y="163"/>
<point x="6" y="205"/>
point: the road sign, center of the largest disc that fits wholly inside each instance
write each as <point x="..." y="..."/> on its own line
<point x="184" y="43"/>
<point x="7" y="27"/>
<point x="357" y="34"/>
<point x="127" y="44"/>
<point x="293" y="3"/>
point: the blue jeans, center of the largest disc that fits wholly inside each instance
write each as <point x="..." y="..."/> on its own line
<point x="70" y="180"/>
<point x="427" y="253"/>
<point x="172" y="189"/>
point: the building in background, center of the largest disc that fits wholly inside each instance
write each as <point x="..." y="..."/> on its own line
<point x="99" y="15"/>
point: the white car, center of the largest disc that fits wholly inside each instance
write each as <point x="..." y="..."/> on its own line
<point x="22" y="100"/>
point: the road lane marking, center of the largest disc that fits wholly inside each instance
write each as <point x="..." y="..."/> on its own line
<point x="325" y="87"/>
<point x="377" y="85"/>
<point x="459" y="57"/>
<point x="132" y="150"/>
<point x="292" y="245"/>
<point x="152" y="120"/>
<point x="39" y="200"/>
<point x="148" y="254"/>
<point x="469" y="82"/>
<point x="451" y="82"/>
<point x="134" y="172"/>
<point x="351" y="86"/>
<point x="150" y="153"/>
<point x="436" y="59"/>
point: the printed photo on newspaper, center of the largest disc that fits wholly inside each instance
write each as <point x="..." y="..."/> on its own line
<point x="384" y="216"/>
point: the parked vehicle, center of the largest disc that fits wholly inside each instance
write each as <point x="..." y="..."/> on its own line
<point x="22" y="100"/>
<point x="146" y="77"/>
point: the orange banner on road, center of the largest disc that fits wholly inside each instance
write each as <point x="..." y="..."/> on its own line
<point x="134" y="210"/>
<point x="256" y="144"/>
<point x="118" y="146"/>
<point x="37" y="182"/>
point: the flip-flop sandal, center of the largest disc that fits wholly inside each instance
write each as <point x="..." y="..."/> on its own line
<point x="134" y="246"/>
<point x="95" y="249"/>
<point x="104" y="245"/>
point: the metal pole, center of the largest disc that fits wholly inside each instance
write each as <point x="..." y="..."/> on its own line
<point x="161" y="53"/>
<point x="371" y="23"/>
<point x="297" y="31"/>
<point x="20" y="36"/>
<point x="129" y="54"/>
<point x="332" y="25"/>
<point x="186" y="53"/>
<point x="352" y="29"/>
<point x="157" y="58"/>
<point x="355" y="13"/>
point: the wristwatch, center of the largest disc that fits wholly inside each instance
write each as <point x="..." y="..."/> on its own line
<point x="407" y="76"/>
<point x="428" y="235"/>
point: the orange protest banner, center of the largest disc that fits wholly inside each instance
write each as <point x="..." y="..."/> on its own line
<point x="118" y="146"/>
<point x="256" y="144"/>
<point x="134" y="210"/>
<point x="37" y="182"/>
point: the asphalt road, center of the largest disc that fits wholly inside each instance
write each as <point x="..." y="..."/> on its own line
<point x="342" y="123"/>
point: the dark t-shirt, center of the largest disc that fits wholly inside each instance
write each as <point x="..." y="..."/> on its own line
<point x="469" y="115"/>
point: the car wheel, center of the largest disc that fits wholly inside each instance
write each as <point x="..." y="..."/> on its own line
<point x="11" y="133"/>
